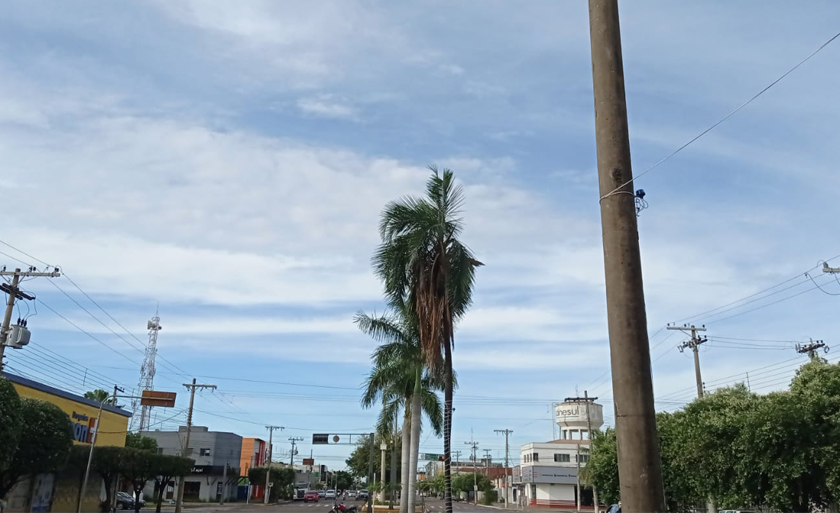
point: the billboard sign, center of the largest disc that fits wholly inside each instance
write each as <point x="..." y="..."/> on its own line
<point x="156" y="398"/>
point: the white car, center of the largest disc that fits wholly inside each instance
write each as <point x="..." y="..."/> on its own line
<point x="330" y="494"/>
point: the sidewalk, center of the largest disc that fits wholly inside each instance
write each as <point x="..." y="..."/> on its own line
<point x="209" y="507"/>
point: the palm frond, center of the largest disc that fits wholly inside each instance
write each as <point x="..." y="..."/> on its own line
<point x="433" y="408"/>
<point x="461" y="280"/>
<point x="381" y="329"/>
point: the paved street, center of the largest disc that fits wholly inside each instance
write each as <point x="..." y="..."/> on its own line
<point x="432" y="505"/>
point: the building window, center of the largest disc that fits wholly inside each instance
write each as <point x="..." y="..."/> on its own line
<point x="535" y="457"/>
<point x="583" y="458"/>
<point x="562" y="458"/>
<point x="204" y="452"/>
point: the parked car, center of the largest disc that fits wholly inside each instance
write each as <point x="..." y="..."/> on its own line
<point x="311" y="495"/>
<point x="351" y="494"/>
<point x="363" y="495"/>
<point x="124" y="501"/>
<point x="322" y="494"/>
<point x="330" y="494"/>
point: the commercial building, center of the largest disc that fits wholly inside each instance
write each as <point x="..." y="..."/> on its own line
<point x="216" y="454"/>
<point x="254" y="454"/>
<point x="548" y="472"/>
<point x="60" y="492"/>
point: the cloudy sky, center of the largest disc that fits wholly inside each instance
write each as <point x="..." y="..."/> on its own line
<point x="228" y="161"/>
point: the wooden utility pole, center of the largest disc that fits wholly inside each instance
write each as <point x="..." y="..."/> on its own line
<point x="589" y="435"/>
<point x="474" y="446"/>
<point x="811" y="348"/>
<point x="693" y="344"/>
<point x="639" y="464"/>
<point x="179" y="503"/>
<point x="14" y="292"/>
<point x="507" y="433"/>
<point x="271" y="430"/>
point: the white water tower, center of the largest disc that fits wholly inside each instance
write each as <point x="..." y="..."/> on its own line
<point x="571" y="416"/>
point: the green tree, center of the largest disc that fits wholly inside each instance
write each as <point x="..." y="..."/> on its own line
<point x="168" y="468"/>
<point x="139" y="467"/>
<point x="283" y="479"/>
<point x="357" y="463"/>
<point x="97" y="395"/>
<point x="401" y="379"/>
<point x="777" y="451"/>
<point x="143" y="443"/>
<point x="602" y="468"/>
<point x="423" y="265"/>
<point x="106" y="462"/>
<point x="10" y="423"/>
<point x="344" y="480"/>
<point x="464" y="482"/>
<point x="44" y="445"/>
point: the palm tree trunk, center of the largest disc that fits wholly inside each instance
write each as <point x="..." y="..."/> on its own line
<point x="447" y="429"/>
<point x="406" y="446"/>
<point x="416" y="411"/>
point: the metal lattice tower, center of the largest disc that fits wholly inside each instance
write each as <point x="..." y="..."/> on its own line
<point x="147" y="372"/>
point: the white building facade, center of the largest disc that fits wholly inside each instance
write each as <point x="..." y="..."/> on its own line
<point x="548" y="472"/>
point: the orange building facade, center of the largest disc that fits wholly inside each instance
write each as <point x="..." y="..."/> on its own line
<point x="254" y="454"/>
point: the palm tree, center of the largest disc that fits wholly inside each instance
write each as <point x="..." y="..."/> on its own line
<point x="424" y="265"/>
<point x="97" y="395"/>
<point x="400" y="378"/>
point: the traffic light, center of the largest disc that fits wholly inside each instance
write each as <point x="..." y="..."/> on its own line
<point x="320" y="439"/>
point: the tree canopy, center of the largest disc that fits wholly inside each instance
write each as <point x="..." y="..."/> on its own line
<point x="10" y="422"/>
<point x="143" y="443"/>
<point x="43" y="445"/>
<point x="778" y="450"/>
<point x="357" y="463"/>
<point x="97" y="395"/>
<point x="282" y="477"/>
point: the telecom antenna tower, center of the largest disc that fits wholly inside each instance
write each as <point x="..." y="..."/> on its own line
<point x="147" y="372"/>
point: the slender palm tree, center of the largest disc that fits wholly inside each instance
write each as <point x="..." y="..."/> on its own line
<point x="400" y="378"/>
<point x="424" y="265"/>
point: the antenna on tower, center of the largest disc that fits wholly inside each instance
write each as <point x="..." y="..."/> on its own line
<point x="147" y="372"/>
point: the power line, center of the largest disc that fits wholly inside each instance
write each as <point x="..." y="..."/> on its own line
<point x="725" y="118"/>
<point x="175" y="368"/>
<point x="798" y="276"/>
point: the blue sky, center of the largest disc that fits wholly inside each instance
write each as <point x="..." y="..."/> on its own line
<point x="229" y="162"/>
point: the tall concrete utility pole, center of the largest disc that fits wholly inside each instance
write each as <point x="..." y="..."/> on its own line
<point x="271" y="430"/>
<point x="639" y="464"/>
<point x="179" y="503"/>
<point x="294" y="440"/>
<point x="474" y="446"/>
<point x="507" y="433"/>
<point x="589" y="435"/>
<point x="14" y="292"/>
<point x="694" y="343"/>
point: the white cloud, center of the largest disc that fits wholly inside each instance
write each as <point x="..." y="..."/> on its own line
<point x="326" y="106"/>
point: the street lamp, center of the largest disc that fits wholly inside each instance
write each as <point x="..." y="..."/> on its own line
<point x="384" y="448"/>
<point x="93" y="442"/>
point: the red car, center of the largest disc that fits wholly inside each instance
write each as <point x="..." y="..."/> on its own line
<point x="311" y="495"/>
